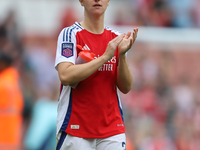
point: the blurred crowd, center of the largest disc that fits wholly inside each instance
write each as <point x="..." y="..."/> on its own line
<point x="29" y="92"/>
<point x="159" y="13"/>
<point x="162" y="111"/>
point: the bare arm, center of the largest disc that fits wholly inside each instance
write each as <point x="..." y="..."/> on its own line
<point x="70" y="73"/>
<point x="124" y="76"/>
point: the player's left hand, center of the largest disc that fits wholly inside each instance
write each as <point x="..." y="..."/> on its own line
<point x="127" y="41"/>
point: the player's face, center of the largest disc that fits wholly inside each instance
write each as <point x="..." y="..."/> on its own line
<point x="95" y="7"/>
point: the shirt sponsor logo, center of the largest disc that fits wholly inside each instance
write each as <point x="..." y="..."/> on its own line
<point x="67" y="49"/>
<point x="109" y="65"/>
<point x="74" y="126"/>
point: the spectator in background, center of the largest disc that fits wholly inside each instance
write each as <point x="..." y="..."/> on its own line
<point x="182" y="12"/>
<point x="196" y="13"/>
<point x="11" y="96"/>
<point x="11" y="105"/>
<point x="11" y="44"/>
<point x="41" y="133"/>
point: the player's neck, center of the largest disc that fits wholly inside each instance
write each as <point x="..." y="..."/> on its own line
<point x="93" y="25"/>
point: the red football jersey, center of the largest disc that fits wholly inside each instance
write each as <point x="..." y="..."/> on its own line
<point x="93" y="108"/>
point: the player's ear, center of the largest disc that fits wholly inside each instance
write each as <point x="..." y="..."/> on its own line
<point x="81" y="1"/>
<point x="108" y="2"/>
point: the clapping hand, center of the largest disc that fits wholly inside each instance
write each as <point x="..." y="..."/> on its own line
<point x="127" y="41"/>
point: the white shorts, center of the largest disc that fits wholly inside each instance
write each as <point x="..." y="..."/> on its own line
<point x="69" y="142"/>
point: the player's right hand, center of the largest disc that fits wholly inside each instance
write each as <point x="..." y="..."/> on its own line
<point x="112" y="46"/>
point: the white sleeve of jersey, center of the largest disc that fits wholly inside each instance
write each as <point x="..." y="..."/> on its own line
<point x="66" y="46"/>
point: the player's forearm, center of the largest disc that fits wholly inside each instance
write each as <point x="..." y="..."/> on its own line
<point x="76" y="73"/>
<point x="124" y="76"/>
